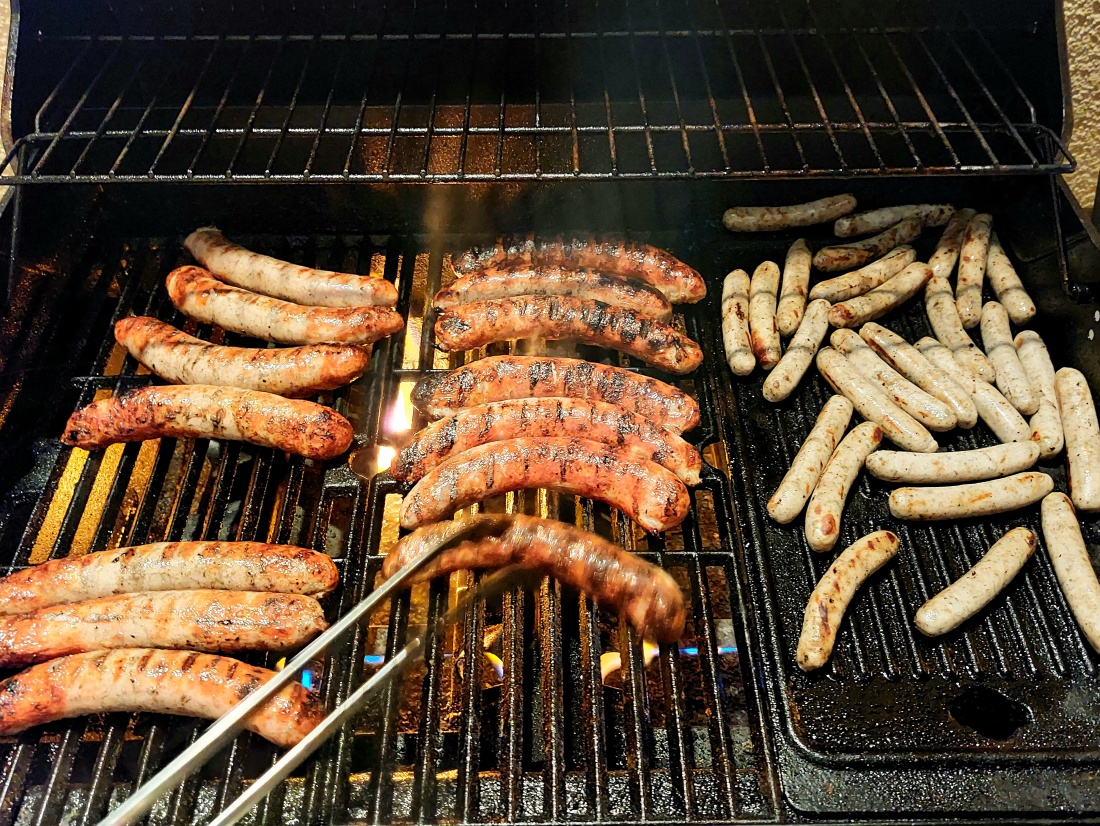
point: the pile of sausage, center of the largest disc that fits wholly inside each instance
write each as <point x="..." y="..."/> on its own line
<point x="509" y="423"/>
<point x="244" y="393"/>
<point x="145" y="629"/>
<point x="905" y="391"/>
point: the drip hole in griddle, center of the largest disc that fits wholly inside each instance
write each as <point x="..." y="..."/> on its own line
<point x="989" y="712"/>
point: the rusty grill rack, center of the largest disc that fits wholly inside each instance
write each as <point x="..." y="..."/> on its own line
<point x="492" y="91"/>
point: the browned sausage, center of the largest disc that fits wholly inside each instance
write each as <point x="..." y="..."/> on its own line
<point x="163" y="682"/>
<point x="616" y="290"/>
<point x="518" y="377"/>
<point x="222" y="621"/>
<point x="646" y="492"/>
<point x="646" y="595"/>
<point x="169" y="566"/>
<point x="561" y="317"/>
<point x="679" y="282"/>
<point x="197" y="294"/>
<point x="286" y="371"/>
<point x="574" y="418"/>
<point x="200" y="411"/>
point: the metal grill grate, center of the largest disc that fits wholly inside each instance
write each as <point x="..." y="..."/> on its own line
<point x="556" y="91"/>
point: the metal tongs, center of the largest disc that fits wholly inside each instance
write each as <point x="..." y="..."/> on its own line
<point x="226" y="727"/>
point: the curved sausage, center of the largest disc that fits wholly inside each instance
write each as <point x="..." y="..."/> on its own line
<point x="647" y="596"/>
<point x="827" y="502"/>
<point x="805" y="471"/>
<point x="958" y="466"/>
<point x="163" y="682"/>
<point x="646" y="492"/>
<point x="561" y="317"/>
<point x="679" y="282"/>
<point x="1006" y="283"/>
<point x="1012" y="381"/>
<point x="291" y="371"/>
<point x="217" y="621"/>
<point x="517" y="377"/>
<point x="169" y="566"/>
<point x="616" y="290"/>
<point x="858" y="253"/>
<point x="926" y="409"/>
<point x="943" y="315"/>
<point x="198" y="295"/>
<point x="541" y="418"/>
<point x="943" y="259"/>
<point x="763" y="330"/>
<point x="1072" y="565"/>
<point x="973" y="499"/>
<point x="796" y="282"/>
<point x="270" y="276"/>
<point x="975" y="249"/>
<point x="782" y="381"/>
<point x="199" y="411"/>
<point x="1046" y="424"/>
<point x="975" y="589"/>
<point x="876" y="220"/>
<point x="1082" y="438"/>
<point x="882" y="299"/>
<point x="766" y="219"/>
<point x="865" y="279"/>
<point x="873" y="404"/>
<point x="735" y="323"/>
<point x="829" y="601"/>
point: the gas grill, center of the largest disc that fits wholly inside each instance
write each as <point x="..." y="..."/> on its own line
<point x="317" y="133"/>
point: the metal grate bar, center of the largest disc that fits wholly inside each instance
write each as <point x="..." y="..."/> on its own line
<point x="781" y="99"/>
<point x="219" y="109"/>
<point x="255" y="108"/>
<point x="643" y="109"/>
<point x="326" y="110"/>
<point x="291" y="108"/>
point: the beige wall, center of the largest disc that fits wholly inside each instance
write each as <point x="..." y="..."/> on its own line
<point x="1083" y="39"/>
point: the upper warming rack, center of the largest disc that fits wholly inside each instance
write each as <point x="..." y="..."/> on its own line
<point x="493" y="90"/>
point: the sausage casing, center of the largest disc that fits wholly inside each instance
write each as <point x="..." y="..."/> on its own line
<point x="166" y="682"/>
<point x="574" y="418"/>
<point x="1072" y="565"/>
<point x="827" y="502"/>
<point x="281" y="279"/>
<point x="975" y="589"/>
<point x="735" y="323"/>
<point x="169" y="566"/>
<point x="647" y="596"/>
<point x="286" y="371"/>
<point x="876" y="220"/>
<point x="805" y="471"/>
<point x="200" y="296"/>
<point x="829" y="601"/>
<point x="943" y="259"/>
<point x="1046" y="424"/>
<point x="858" y="253"/>
<point x="782" y="380"/>
<point x="958" y="466"/>
<point x="882" y="299"/>
<point x="1006" y="283"/>
<point x="517" y="377"/>
<point x="1012" y="381"/>
<point x="943" y="315"/>
<point x="553" y="317"/>
<point x="766" y="219"/>
<point x="792" y="293"/>
<point x="200" y="411"/>
<point x="216" y="621"/>
<point x="973" y="499"/>
<point x="646" y="492"/>
<point x="975" y="249"/>
<point x="1082" y="435"/>
<point x="865" y="279"/>
<point x="763" y="329"/>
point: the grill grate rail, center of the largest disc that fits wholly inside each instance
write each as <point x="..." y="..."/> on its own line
<point x="650" y="89"/>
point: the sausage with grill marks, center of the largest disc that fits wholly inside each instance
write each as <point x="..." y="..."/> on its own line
<point x="169" y="566"/>
<point x="561" y="317"/>
<point x="1006" y="283"/>
<point x="782" y="380"/>
<point x="973" y="499"/>
<point x="943" y="315"/>
<point x="858" y="253"/>
<point x="736" y="340"/>
<point x="876" y="220"/>
<point x="882" y="299"/>
<point x="826" y="506"/>
<point x="1046" y="424"/>
<point x="201" y="411"/>
<point x="221" y="621"/>
<point x="516" y="377"/>
<point x="646" y="595"/>
<point x="865" y="279"/>
<point x="646" y="492"/>
<point x="768" y="218"/>
<point x="291" y="371"/>
<point x="163" y="682"/>
<point x="805" y="471"/>
<point x="198" y="295"/>
<point x="796" y="282"/>
<point x="281" y="279"/>
<point x="1072" y="565"/>
<point x="972" y="257"/>
<point x="943" y="259"/>
<point x="1082" y="434"/>
<point x="679" y="282"/>
<point x="763" y="329"/>
<point x="616" y="290"/>
<point x="958" y="466"/>
<point x="1012" y="381"/>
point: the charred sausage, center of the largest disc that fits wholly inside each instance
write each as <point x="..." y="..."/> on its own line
<point x="517" y="377"/>
<point x="561" y="317"/>
<point x="169" y="566"/>
<point x="644" y="594"/>
<point x="763" y="329"/>
<point x="164" y="682"/>
<point x="765" y="218"/>
<point x="200" y="296"/>
<point x="735" y="323"/>
<point x="292" y="371"/>
<point x="200" y="411"/>
<point x="646" y="492"/>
